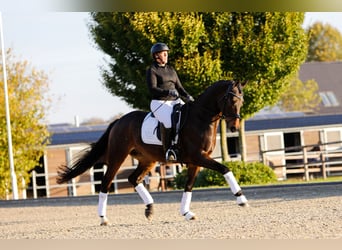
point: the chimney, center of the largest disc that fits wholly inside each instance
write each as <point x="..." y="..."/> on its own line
<point x="77" y="121"/>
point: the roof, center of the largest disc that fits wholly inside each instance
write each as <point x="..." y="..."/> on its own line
<point x="328" y="75"/>
<point x="69" y="134"/>
<point x="294" y="122"/>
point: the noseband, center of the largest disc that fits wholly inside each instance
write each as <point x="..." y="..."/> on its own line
<point x="228" y="94"/>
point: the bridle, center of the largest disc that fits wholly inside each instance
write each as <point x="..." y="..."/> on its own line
<point x="230" y="93"/>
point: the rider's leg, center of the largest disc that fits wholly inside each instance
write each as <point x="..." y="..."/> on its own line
<point x="162" y="111"/>
<point x="166" y="135"/>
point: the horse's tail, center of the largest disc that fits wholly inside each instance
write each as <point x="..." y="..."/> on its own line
<point x="86" y="159"/>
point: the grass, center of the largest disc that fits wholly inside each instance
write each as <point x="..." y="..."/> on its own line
<point x="315" y="180"/>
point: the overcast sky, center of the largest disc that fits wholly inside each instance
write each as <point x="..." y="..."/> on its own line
<point x="59" y="44"/>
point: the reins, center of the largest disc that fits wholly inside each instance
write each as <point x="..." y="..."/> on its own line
<point x="225" y="98"/>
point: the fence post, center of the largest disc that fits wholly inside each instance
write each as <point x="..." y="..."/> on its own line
<point x="34" y="184"/>
<point x="306" y="167"/>
<point x="92" y="180"/>
<point x="46" y="175"/>
<point x="324" y="169"/>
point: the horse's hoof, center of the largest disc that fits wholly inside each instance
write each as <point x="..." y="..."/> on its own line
<point x="104" y="221"/>
<point x="242" y="201"/>
<point x="190" y="216"/>
<point x="244" y="205"/>
<point x="149" y="211"/>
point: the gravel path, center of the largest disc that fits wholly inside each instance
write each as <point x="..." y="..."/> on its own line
<point x="310" y="211"/>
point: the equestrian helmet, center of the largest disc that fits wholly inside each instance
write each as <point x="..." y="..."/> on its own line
<point x="157" y="47"/>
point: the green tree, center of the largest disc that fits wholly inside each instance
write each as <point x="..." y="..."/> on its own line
<point x="264" y="48"/>
<point x="325" y="43"/>
<point x="28" y="103"/>
<point x="300" y="96"/>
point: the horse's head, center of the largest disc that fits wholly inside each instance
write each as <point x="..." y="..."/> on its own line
<point x="231" y="103"/>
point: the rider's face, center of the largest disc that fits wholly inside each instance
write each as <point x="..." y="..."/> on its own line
<point x="161" y="57"/>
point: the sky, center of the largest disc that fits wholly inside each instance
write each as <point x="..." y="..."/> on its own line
<point x="59" y="43"/>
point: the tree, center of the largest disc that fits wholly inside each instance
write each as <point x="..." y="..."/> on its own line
<point x="263" y="48"/>
<point x="300" y="96"/>
<point x="266" y="49"/>
<point x="28" y="103"/>
<point x="325" y="43"/>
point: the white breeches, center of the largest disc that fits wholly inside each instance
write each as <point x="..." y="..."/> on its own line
<point x="162" y="110"/>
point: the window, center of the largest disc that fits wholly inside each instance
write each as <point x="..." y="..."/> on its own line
<point x="274" y="141"/>
<point x="292" y="142"/>
<point x="233" y="146"/>
<point x="333" y="135"/>
<point x="329" y="99"/>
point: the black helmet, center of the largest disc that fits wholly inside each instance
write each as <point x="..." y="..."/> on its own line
<point x="157" y="47"/>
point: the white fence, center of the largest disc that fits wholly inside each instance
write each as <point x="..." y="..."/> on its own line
<point x="73" y="184"/>
<point x="322" y="161"/>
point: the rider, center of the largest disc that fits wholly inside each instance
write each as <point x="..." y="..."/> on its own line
<point x="165" y="88"/>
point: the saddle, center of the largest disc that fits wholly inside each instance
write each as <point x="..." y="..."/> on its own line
<point x="151" y="127"/>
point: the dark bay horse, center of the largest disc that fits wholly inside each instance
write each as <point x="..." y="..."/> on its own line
<point x="197" y="138"/>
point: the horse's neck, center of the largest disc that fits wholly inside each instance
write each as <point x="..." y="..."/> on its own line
<point x="204" y="117"/>
<point x="207" y="109"/>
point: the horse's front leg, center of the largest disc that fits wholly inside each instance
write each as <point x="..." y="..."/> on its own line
<point x="210" y="163"/>
<point x="187" y="194"/>
<point x="136" y="179"/>
<point x="241" y="199"/>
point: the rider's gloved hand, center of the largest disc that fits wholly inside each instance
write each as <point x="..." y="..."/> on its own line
<point x="189" y="98"/>
<point x="173" y="93"/>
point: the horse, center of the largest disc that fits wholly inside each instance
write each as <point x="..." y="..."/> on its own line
<point x="196" y="141"/>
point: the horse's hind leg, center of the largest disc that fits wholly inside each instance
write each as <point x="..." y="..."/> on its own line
<point x="112" y="168"/>
<point x="136" y="179"/>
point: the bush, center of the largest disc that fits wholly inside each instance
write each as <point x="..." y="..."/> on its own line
<point x="245" y="173"/>
<point x="251" y="173"/>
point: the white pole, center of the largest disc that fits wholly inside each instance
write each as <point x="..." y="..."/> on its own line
<point x="8" y="119"/>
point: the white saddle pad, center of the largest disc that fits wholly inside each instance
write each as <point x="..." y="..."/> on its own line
<point x="149" y="130"/>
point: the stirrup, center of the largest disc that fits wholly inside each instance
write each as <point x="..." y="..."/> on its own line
<point x="171" y="155"/>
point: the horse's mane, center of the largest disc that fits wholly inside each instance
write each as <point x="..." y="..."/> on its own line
<point x="218" y="86"/>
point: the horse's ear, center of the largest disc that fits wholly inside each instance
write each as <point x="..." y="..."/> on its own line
<point x="243" y="83"/>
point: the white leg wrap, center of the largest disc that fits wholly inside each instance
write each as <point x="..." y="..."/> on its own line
<point x="102" y="207"/>
<point x="185" y="203"/>
<point x="241" y="200"/>
<point x="234" y="186"/>
<point x="144" y="194"/>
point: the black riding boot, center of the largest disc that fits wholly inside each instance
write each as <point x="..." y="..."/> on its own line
<point x="170" y="154"/>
